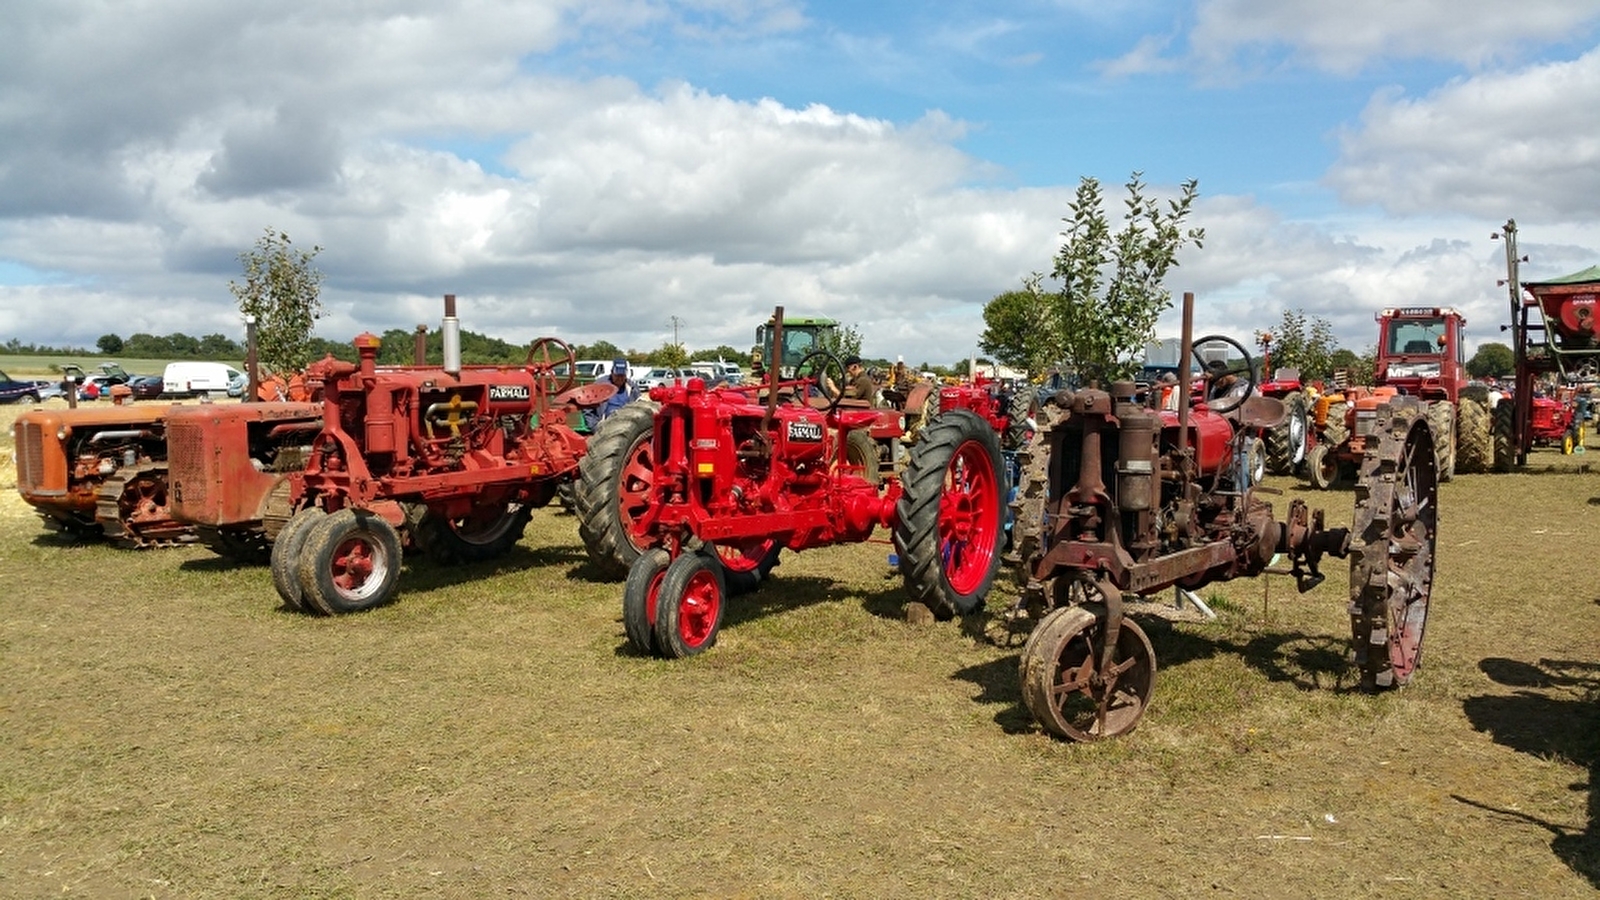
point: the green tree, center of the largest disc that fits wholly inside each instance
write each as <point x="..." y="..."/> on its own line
<point x="281" y="289"/>
<point x="843" y="342"/>
<point x="1294" y="345"/>
<point x="669" y="356"/>
<point x="597" y="350"/>
<point x="1112" y="290"/>
<point x="723" y="353"/>
<point x="109" y="344"/>
<point x="1012" y="329"/>
<point x="1493" y="360"/>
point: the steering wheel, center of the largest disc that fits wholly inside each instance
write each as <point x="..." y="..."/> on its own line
<point x="816" y="366"/>
<point x="1221" y="365"/>
<point x="548" y="352"/>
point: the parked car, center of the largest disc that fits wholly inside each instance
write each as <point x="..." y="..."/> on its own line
<point x="187" y="379"/>
<point x="662" y="376"/>
<point x="237" y="382"/>
<point x="14" y="391"/>
<point x="145" y="387"/>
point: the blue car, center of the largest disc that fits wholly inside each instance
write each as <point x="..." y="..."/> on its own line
<point x="14" y="391"/>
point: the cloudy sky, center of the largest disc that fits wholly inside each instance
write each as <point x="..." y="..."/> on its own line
<point x="602" y="168"/>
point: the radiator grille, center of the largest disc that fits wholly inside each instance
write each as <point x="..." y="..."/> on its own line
<point x="30" y="457"/>
<point x="188" y="461"/>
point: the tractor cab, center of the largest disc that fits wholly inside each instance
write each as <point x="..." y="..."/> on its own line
<point x="1422" y="352"/>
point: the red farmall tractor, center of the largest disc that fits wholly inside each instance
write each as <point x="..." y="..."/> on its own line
<point x="1139" y="499"/>
<point x="459" y="456"/>
<point x="698" y="491"/>
<point x="1554" y="338"/>
<point x="1286" y="445"/>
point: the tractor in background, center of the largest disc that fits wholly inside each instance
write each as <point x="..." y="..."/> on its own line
<point x="700" y="489"/>
<point x="1421" y="354"/>
<point x="457" y="456"/>
<point x="1554" y="340"/>
<point x="1139" y="499"/>
<point x="1285" y="446"/>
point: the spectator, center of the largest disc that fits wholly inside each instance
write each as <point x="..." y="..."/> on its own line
<point x="627" y="392"/>
<point x="859" y="385"/>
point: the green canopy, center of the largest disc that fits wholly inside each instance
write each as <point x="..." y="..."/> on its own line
<point x="1587" y="275"/>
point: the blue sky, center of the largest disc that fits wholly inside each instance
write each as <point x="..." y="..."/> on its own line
<point x="591" y="170"/>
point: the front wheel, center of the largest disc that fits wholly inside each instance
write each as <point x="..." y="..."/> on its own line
<point x="948" y="521"/>
<point x="285" y="559"/>
<point x="639" y="595"/>
<point x="1067" y="689"/>
<point x="1323" y="467"/>
<point x="351" y="563"/>
<point x="689" y="606"/>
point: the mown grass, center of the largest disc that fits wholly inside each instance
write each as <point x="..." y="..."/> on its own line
<point x="167" y="730"/>
<point x="37" y="366"/>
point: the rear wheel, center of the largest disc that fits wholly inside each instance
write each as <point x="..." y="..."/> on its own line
<point x="689" y="606"/>
<point x="745" y="564"/>
<point x="488" y="532"/>
<point x="1505" y="446"/>
<point x="1336" y="431"/>
<point x="351" y="563"/>
<point x="1474" y="447"/>
<point x="1021" y="416"/>
<point x="861" y="450"/>
<point x="1286" y="444"/>
<point x="285" y="559"/>
<point x="614" y="487"/>
<point x="1442" y="422"/>
<point x="948" y="521"/>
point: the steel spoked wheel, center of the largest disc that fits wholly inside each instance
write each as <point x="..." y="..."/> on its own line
<point x="948" y="521"/>
<point x="1392" y="547"/>
<point x="285" y="559"/>
<point x="745" y="564"/>
<point x="689" y="606"/>
<point x="351" y="563"/>
<point x="1065" y="687"/>
<point x="639" y="597"/>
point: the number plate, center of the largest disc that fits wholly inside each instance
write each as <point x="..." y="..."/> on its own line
<point x="508" y="392"/>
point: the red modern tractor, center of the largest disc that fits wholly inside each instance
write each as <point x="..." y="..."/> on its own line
<point x="460" y="456"/>
<point x="1421" y="354"/>
<point x="1140" y="499"/>
<point x="1554" y="338"/>
<point x="699" y="490"/>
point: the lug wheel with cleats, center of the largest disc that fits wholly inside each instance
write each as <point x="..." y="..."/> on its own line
<point x="1066" y="687"/>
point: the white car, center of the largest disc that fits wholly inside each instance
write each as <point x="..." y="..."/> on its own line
<point x="663" y="376"/>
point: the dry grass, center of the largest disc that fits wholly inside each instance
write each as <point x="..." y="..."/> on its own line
<point x="166" y="730"/>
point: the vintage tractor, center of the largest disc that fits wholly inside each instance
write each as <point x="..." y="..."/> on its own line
<point x="727" y="477"/>
<point x="458" y="455"/>
<point x="1285" y="447"/>
<point x="230" y="469"/>
<point x="1140" y="499"/>
<point x="1554" y="337"/>
<point x="1422" y="354"/>
<point x="100" y="471"/>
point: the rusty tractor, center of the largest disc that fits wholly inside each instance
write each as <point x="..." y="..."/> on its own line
<point x="1554" y="338"/>
<point x="1141" y="499"/>
<point x="1422" y="354"/>
<point x="100" y="471"/>
<point x="460" y="456"/>
<point x="700" y="489"/>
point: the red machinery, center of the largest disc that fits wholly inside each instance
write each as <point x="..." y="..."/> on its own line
<point x="1285" y="446"/>
<point x="701" y="502"/>
<point x="1554" y="337"/>
<point x="461" y="455"/>
<point x="1142" y="499"/>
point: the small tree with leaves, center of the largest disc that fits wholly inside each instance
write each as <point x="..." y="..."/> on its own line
<point x="281" y="290"/>
<point x="1301" y="342"/>
<point x="1014" y="331"/>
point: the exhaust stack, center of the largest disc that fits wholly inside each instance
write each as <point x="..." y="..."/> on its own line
<point x="452" y="337"/>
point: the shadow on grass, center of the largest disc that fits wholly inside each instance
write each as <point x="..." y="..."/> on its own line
<point x="1554" y="711"/>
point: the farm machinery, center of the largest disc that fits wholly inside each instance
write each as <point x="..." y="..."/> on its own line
<point x="1286" y="445"/>
<point x="457" y="456"/>
<point x="697" y="492"/>
<point x="1421" y="354"/>
<point x="1138" y="499"/>
<point x="1554" y="339"/>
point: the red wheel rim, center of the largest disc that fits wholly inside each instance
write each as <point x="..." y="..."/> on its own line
<point x="698" y="609"/>
<point x="633" y="486"/>
<point x="651" y="594"/>
<point x="746" y="555"/>
<point x="357" y="567"/>
<point x="969" y="518"/>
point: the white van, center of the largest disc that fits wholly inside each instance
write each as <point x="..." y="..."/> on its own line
<point x="188" y="379"/>
<point x="588" y="370"/>
<point x="712" y="371"/>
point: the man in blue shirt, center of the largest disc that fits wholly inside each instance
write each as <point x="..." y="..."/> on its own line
<point x="626" y="393"/>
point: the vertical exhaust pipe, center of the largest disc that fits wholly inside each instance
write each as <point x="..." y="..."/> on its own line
<point x="452" y="337"/>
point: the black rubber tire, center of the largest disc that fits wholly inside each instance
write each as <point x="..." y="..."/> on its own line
<point x="285" y="559"/>
<point x="638" y="599"/>
<point x="1336" y="431"/>
<point x="567" y="496"/>
<point x="445" y="542"/>
<point x="1019" y="412"/>
<point x="700" y="575"/>
<point x="861" y="450"/>
<point x="1256" y="460"/>
<point x="1505" y="443"/>
<point x="245" y="546"/>
<point x="917" y="536"/>
<point x="28" y="399"/>
<point x="1284" y="452"/>
<point x="320" y="591"/>
<point x="1474" y="443"/>
<point x="741" y="582"/>
<point x="622" y="438"/>
<point x="1442" y="425"/>
<point x="1323" y="471"/>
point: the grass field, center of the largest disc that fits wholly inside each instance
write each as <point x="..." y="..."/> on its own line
<point x="22" y="366"/>
<point x="167" y="730"/>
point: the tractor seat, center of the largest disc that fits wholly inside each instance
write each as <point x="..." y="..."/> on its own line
<point x="851" y="419"/>
<point x="1261" y="412"/>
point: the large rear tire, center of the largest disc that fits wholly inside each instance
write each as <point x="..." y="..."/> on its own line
<point x="1505" y="446"/>
<point x="1286" y="444"/>
<point x="1336" y="431"/>
<point x="488" y="532"/>
<point x="1442" y="423"/>
<point x="1474" y="446"/>
<point x="948" y="522"/>
<point x="614" y="487"/>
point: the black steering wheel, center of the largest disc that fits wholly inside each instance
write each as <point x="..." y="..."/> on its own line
<point x="544" y="355"/>
<point x="817" y="366"/>
<point x="1223" y="372"/>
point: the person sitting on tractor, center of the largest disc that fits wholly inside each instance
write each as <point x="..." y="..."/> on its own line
<point x="859" y="384"/>
<point x="627" y="392"/>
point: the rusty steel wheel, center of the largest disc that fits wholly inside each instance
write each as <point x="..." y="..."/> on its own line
<point x="350" y="563"/>
<point x="1063" y="686"/>
<point x="639" y="594"/>
<point x="689" y="606"/>
<point x="1392" y="546"/>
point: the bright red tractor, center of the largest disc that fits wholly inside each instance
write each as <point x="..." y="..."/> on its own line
<point x="700" y="503"/>
<point x="1142" y="498"/>
<point x="458" y="455"/>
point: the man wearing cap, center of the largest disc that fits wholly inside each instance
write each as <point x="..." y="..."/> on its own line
<point x="627" y="392"/>
<point x="858" y="385"/>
